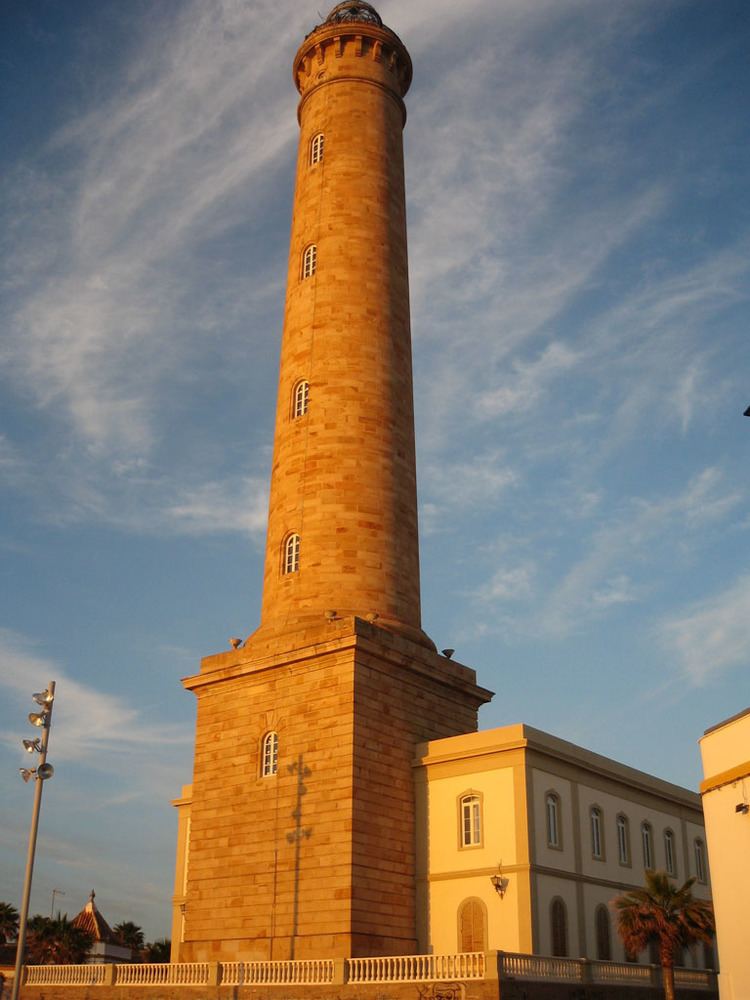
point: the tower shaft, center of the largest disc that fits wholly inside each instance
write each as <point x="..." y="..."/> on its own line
<point x="343" y="477"/>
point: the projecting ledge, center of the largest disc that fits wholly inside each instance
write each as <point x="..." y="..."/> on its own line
<point x="267" y="650"/>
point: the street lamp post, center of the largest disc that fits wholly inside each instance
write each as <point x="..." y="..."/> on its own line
<point x="40" y="773"/>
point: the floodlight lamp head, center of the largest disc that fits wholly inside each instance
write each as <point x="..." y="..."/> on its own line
<point x="448" y="652"/>
<point x="27" y="773"/>
<point x="31" y="745"/>
<point x="44" y="771"/>
<point x="43" y="697"/>
<point x="39" y="719"/>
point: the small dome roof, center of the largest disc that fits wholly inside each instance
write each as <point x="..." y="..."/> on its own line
<point x="354" y="10"/>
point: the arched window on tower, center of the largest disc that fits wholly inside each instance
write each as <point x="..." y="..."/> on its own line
<point x="309" y="261"/>
<point x="559" y="926"/>
<point x="316" y="148"/>
<point x="603" y="940"/>
<point x="291" y="554"/>
<point x="269" y="758"/>
<point x="472" y="924"/>
<point x="300" y="399"/>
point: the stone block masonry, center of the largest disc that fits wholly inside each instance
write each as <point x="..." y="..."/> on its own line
<point x="318" y="859"/>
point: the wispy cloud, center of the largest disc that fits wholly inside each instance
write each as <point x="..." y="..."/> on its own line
<point x="131" y="196"/>
<point x="525" y="381"/>
<point x="619" y="565"/>
<point x="596" y="582"/>
<point x="713" y="635"/>
<point x="228" y="506"/>
<point x="90" y="724"/>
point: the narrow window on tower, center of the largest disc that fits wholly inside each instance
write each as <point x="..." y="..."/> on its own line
<point x="269" y="763"/>
<point x="291" y="554"/>
<point x="309" y="261"/>
<point x="300" y="399"/>
<point x="316" y="148"/>
<point x="470" y="817"/>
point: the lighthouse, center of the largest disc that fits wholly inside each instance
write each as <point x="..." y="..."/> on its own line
<point x="297" y="837"/>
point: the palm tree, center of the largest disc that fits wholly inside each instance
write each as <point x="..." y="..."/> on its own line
<point x="670" y="916"/>
<point x="8" y="923"/>
<point x="131" y="936"/>
<point x="158" y="951"/>
<point x="56" y="941"/>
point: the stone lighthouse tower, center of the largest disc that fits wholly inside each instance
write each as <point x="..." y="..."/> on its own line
<point x="297" y="837"/>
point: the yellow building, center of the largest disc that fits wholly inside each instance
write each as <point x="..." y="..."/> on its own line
<point x="725" y="749"/>
<point x="526" y="838"/>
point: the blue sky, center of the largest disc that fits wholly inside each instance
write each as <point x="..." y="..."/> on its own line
<point x="577" y="178"/>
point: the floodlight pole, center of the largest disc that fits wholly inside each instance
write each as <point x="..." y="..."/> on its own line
<point x="23" y="916"/>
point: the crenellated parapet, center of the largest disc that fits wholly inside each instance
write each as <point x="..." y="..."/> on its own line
<point x="352" y="43"/>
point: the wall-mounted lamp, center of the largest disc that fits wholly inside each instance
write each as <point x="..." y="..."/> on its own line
<point x="742" y="807"/>
<point x="499" y="882"/>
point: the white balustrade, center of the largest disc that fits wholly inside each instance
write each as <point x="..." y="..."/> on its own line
<point x="416" y="968"/>
<point x="694" y="977"/>
<point x="64" y="975"/>
<point x="162" y="974"/>
<point x="620" y="972"/>
<point x="387" y="969"/>
<point x="306" y="971"/>
<point x="557" y="970"/>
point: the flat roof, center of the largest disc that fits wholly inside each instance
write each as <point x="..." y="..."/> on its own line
<point x="732" y="718"/>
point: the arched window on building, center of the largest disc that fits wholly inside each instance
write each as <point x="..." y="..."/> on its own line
<point x="472" y="926"/>
<point x="623" y="839"/>
<point x="552" y="807"/>
<point x="559" y="926"/>
<point x="670" y="855"/>
<point x="699" y="850"/>
<point x="597" y="833"/>
<point x="309" y="261"/>
<point x="603" y="940"/>
<point x="300" y="399"/>
<point x="470" y="817"/>
<point x="290" y="563"/>
<point x="269" y="757"/>
<point x="647" y="841"/>
<point x="316" y="148"/>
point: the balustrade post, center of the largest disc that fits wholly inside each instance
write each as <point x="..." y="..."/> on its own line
<point x="587" y="970"/>
<point x="340" y="975"/>
<point x="109" y="975"/>
<point x="493" y="965"/>
<point x="214" y="974"/>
